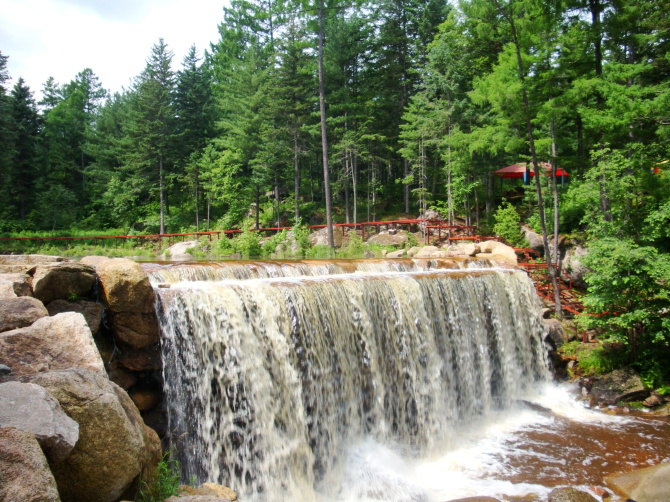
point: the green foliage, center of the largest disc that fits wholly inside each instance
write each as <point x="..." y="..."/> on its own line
<point x="595" y="359"/>
<point x="355" y="247"/>
<point x="629" y="297"/>
<point x="164" y="483"/>
<point x="508" y="225"/>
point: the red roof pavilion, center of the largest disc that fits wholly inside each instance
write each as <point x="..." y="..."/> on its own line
<point x="517" y="170"/>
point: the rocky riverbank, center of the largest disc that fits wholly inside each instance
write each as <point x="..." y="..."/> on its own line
<point x="79" y="377"/>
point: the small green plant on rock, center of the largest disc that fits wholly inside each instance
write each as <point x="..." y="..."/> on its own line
<point x="164" y="483"/>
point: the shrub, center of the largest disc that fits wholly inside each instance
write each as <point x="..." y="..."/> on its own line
<point x="507" y="225"/>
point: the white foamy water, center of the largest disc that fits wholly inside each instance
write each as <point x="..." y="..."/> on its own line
<point x="380" y="381"/>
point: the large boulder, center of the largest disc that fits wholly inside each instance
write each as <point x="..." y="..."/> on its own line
<point x="24" y="471"/>
<point x="534" y="239"/>
<point x="497" y="251"/>
<point x="51" y="343"/>
<point x="110" y="453"/>
<point x="29" y="407"/>
<point x="20" y="312"/>
<point x="572" y="268"/>
<point x="62" y="280"/>
<point x="181" y="251"/>
<point x="91" y="311"/>
<point x="125" y="286"/>
<point x="431" y="252"/>
<point x="650" y="484"/>
<point x="398" y="253"/>
<point x="320" y="237"/>
<point x="619" y="385"/>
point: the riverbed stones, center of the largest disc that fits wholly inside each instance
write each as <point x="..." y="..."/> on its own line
<point x="51" y="343"/>
<point x="24" y="471"/>
<point x="398" y="253"/>
<point x="29" y="407"/>
<point x="568" y="494"/>
<point x="650" y="484"/>
<point x="619" y="385"/>
<point x="20" y="312"/>
<point x="125" y="286"/>
<point x="91" y="311"/>
<point x="110" y="453"/>
<point x="62" y="280"/>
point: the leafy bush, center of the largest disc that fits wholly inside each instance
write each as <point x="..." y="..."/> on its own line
<point x="508" y="225"/>
<point x="628" y="298"/>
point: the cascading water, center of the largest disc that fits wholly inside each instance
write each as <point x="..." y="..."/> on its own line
<point x="280" y="377"/>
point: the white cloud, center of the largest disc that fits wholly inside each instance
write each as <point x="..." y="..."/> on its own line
<point x="46" y="38"/>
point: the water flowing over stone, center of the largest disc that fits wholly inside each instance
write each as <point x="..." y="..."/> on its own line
<point x="274" y="370"/>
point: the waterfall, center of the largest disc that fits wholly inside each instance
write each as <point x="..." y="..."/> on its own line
<point x="273" y="371"/>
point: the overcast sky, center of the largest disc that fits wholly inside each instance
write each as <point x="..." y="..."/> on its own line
<point x="59" y="38"/>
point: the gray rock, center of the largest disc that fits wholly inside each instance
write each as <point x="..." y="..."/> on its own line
<point x="20" y="312"/>
<point x="567" y="494"/>
<point x="29" y="407"/>
<point x="620" y="385"/>
<point x="62" y="280"/>
<point x="24" y="471"/>
<point x="5" y="370"/>
<point x="398" y="253"/>
<point x="572" y="268"/>
<point x="51" y="343"/>
<point x="94" y="261"/>
<point x="91" y="311"/>
<point x="111" y="452"/>
<point x="534" y="239"/>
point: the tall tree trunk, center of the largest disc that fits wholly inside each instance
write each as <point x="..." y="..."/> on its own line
<point x="536" y="165"/>
<point x="161" y="189"/>
<point x="296" y="177"/>
<point x="197" y="200"/>
<point x="258" y="207"/>
<point x="324" y="137"/>
<point x="554" y="186"/>
<point x="354" y="181"/>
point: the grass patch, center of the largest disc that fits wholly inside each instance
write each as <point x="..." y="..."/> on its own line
<point x="164" y="483"/>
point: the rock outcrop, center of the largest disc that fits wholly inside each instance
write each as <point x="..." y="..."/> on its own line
<point x="13" y="285"/>
<point x="51" y="343"/>
<point x="20" y="312"/>
<point x="388" y="238"/>
<point x="24" y="471"/>
<point x="111" y="448"/>
<point x="29" y="407"/>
